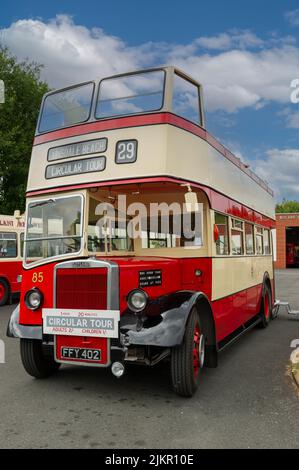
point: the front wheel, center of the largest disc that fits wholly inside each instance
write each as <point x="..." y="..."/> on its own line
<point x="187" y="359"/>
<point x="36" y="361"/>
<point x="266" y="307"/>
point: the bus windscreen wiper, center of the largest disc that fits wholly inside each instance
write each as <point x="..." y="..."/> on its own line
<point x="38" y="204"/>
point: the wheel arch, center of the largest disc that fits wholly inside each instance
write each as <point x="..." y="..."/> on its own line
<point x="5" y="279"/>
<point x="266" y="282"/>
<point x="207" y="323"/>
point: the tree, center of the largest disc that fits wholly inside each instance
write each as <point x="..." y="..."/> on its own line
<point x="18" y="116"/>
<point x="287" y="206"/>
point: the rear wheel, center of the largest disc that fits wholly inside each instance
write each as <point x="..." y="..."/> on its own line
<point x="266" y="307"/>
<point x="187" y="359"/>
<point x="36" y="360"/>
<point x="4" y="292"/>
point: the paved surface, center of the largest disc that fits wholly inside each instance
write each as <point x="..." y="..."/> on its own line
<point x="249" y="401"/>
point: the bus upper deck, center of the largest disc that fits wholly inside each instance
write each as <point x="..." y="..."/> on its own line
<point x="147" y="124"/>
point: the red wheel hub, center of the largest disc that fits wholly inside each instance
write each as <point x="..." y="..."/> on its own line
<point x="198" y="350"/>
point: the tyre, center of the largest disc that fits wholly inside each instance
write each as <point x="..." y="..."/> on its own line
<point x="266" y="307"/>
<point x="35" y="360"/>
<point x="4" y="292"/>
<point x="187" y="359"/>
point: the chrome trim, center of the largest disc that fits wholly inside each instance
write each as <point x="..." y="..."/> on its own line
<point x="112" y="293"/>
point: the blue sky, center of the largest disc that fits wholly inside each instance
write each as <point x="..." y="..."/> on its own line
<point x="245" y="53"/>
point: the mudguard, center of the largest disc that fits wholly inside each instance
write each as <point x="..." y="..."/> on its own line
<point x="163" y="323"/>
<point x="15" y="330"/>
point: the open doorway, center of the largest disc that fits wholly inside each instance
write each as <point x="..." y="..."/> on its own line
<point x="292" y="247"/>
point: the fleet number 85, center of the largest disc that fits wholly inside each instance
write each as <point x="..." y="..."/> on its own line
<point x="38" y="277"/>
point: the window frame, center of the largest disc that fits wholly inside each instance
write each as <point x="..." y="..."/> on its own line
<point x="16" y="241"/>
<point x="228" y="234"/>
<point x="39" y="132"/>
<point x="253" y="238"/>
<point x="241" y="231"/>
<point x="114" y="77"/>
<point x="41" y="261"/>
<point x="266" y="230"/>
<point x="200" y="111"/>
<point x="259" y="235"/>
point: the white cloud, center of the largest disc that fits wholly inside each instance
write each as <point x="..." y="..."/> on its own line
<point x="234" y="38"/>
<point x="70" y="53"/>
<point x="240" y="70"/>
<point x="281" y="169"/>
<point x="293" y="17"/>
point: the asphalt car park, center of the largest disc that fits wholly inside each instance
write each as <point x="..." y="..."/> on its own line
<point x="249" y="401"/>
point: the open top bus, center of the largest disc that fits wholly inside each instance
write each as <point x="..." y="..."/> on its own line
<point x="146" y="239"/>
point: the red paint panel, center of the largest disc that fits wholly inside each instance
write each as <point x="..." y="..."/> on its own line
<point x="9" y="270"/>
<point x="191" y="281"/>
<point x="235" y="209"/>
<point x="233" y="311"/>
<point x="44" y="273"/>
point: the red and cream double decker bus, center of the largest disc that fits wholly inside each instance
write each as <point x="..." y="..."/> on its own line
<point x="146" y="239"/>
<point x="11" y="244"/>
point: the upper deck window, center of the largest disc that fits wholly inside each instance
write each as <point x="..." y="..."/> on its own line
<point x="131" y="94"/>
<point x="186" y="99"/>
<point x="66" y="108"/>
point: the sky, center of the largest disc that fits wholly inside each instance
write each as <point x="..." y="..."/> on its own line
<point x="246" y="54"/>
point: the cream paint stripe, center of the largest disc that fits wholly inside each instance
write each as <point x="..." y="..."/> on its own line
<point x="231" y="275"/>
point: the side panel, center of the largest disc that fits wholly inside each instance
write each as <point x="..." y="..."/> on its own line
<point x="234" y="274"/>
<point x="234" y="310"/>
<point x="10" y="270"/>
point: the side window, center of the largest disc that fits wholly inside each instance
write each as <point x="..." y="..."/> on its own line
<point x="173" y="231"/>
<point x="222" y="244"/>
<point x="186" y="99"/>
<point x="107" y="233"/>
<point x="259" y="240"/>
<point x="249" y="239"/>
<point x="237" y="237"/>
<point x="267" y="245"/>
<point x="8" y="245"/>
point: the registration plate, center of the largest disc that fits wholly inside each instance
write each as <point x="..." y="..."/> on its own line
<point x="82" y="350"/>
<point x="85" y="354"/>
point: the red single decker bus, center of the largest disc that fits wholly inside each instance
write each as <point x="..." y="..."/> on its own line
<point x="11" y="244"/>
<point x="146" y="240"/>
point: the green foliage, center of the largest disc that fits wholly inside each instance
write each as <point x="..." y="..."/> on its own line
<point x="18" y="116"/>
<point x="287" y="206"/>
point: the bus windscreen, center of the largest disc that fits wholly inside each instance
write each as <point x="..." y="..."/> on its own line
<point x="131" y="94"/>
<point x="66" y="108"/>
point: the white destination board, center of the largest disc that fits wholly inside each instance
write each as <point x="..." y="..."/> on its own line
<point x="73" y="322"/>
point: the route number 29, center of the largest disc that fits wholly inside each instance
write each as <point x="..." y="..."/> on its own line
<point x="38" y="277"/>
<point x="126" y="151"/>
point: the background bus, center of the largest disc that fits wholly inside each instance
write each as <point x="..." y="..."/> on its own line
<point x="11" y="244"/>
